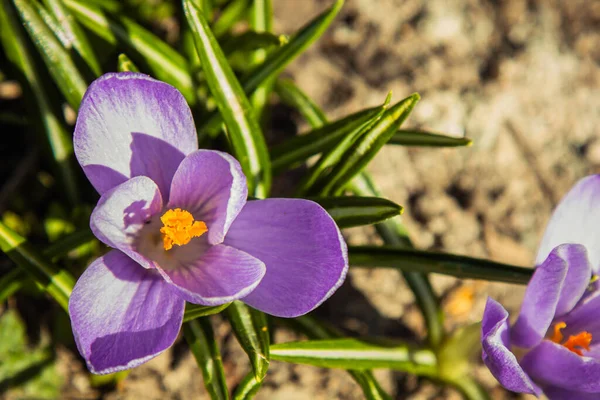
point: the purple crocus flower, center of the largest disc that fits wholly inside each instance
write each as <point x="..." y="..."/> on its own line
<point x="554" y="345"/>
<point x="181" y="229"/>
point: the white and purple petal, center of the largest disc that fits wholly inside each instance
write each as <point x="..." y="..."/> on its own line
<point x="576" y="220"/>
<point x="304" y="252"/>
<point x="495" y="341"/>
<point x="122" y="314"/>
<point x="210" y="185"/>
<point x="130" y="125"/>
<point x="554" y="365"/>
<point x="122" y="213"/>
<point x="541" y="298"/>
<point x="219" y="275"/>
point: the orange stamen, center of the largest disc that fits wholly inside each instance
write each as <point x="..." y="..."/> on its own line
<point x="574" y="343"/>
<point x="179" y="228"/>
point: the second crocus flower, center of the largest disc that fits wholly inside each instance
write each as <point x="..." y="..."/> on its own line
<point x="554" y="345"/>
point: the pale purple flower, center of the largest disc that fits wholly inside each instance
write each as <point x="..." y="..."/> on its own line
<point x="554" y="345"/>
<point x="136" y="141"/>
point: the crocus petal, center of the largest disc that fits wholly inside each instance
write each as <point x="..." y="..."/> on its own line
<point x="130" y="124"/>
<point x="552" y="364"/>
<point x="496" y="355"/>
<point x="222" y="274"/>
<point x="576" y="220"/>
<point x="303" y="249"/>
<point x="122" y="314"/>
<point x="584" y="317"/>
<point x="121" y="213"/>
<point x="210" y="185"/>
<point x="556" y="393"/>
<point x="540" y="301"/>
<point x="579" y="272"/>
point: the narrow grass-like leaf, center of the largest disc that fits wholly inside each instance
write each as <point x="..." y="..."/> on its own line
<point x="391" y="231"/>
<point x="58" y="283"/>
<point x="413" y="137"/>
<point x="358" y="355"/>
<point x="244" y="131"/>
<point x="68" y="243"/>
<point x="315" y="329"/>
<point x="124" y="64"/>
<point x="162" y="60"/>
<point x="261" y="20"/>
<point x="15" y="47"/>
<point x="367" y="146"/>
<point x="280" y="58"/>
<point x="76" y="37"/>
<point x="301" y="147"/>
<point x="231" y="14"/>
<point x="13" y="281"/>
<point x="250" y="328"/>
<point x="318" y="175"/>
<point x="58" y="60"/>
<point x="247" y="388"/>
<point x="193" y="311"/>
<point x="294" y="97"/>
<point x="358" y="211"/>
<point x="440" y="263"/>
<point x="201" y="339"/>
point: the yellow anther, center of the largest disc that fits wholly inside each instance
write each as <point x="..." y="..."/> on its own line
<point x="575" y="343"/>
<point x="179" y="228"/>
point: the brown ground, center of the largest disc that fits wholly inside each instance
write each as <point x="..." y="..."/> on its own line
<point x="521" y="78"/>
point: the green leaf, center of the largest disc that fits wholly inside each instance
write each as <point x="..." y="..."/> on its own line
<point x="193" y="311"/>
<point x="357" y="211"/>
<point x="68" y="243"/>
<point x="247" y="388"/>
<point x="318" y="175"/>
<point x="231" y="14"/>
<point x="26" y="372"/>
<point x="358" y="355"/>
<point x="440" y="263"/>
<point x="58" y="60"/>
<point x="244" y="131"/>
<point x="299" y="148"/>
<point x="367" y="146"/>
<point x="201" y="339"/>
<point x="392" y="231"/>
<point x="124" y="64"/>
<point x="315" y="329"/>
<point x="162" y="60"/>
<point x="280" y="58"/>
<point x="75" y="36"/>
<point x="15" y="47"/>
<point x="58" y="283"/>
<point x="291" y="95"/>
<point x="413" y="137"/>
<point x="261" y="20"/>
<point x="250" y="328"/>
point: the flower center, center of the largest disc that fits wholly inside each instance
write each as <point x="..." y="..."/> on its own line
<point x="179" y="228"/>
<point x="575" y="343"/>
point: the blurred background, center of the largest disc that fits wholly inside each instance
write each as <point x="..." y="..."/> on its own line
<point x="519" y="77"/>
